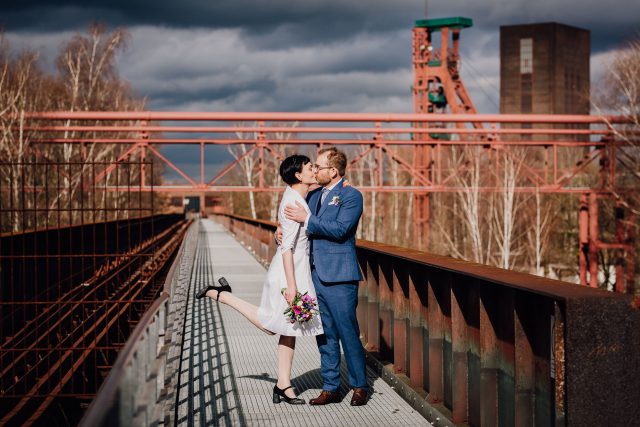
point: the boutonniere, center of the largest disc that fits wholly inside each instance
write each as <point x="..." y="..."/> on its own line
<point x="335" y="201"/>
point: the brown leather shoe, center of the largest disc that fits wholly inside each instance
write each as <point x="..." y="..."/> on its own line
<point x="326" y="397"/>
<point x="359" y="397"/>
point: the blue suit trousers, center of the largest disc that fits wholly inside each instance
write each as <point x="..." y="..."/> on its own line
<point x="337" y="303"/>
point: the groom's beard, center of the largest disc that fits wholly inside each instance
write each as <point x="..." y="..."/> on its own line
<point x="323" y="182"/>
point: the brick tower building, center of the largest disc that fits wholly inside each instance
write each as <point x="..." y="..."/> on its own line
<point x="544" y="69"/>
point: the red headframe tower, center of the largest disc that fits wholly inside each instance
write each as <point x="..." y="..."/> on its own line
<point x="437" y="88"/>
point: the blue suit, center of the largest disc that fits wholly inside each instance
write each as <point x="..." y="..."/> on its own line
<point x="335" y="273"/>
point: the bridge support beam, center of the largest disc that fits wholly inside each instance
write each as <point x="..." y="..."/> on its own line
<point x="590" y="245"/>
<point x="460" y="332"/>
<point x="436" y="327"/>
<point x="418" y="315"/>
<point x="373" y="306"/>
<point x="400" y="319"/>
<point x="593" y="240"/>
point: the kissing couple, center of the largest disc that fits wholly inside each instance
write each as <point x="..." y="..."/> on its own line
<point x="315" y="261"/>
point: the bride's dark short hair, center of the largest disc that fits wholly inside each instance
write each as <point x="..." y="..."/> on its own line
<point x="290" y="166"/>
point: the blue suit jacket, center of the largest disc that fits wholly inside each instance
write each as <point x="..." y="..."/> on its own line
<point x="333" y="233"/>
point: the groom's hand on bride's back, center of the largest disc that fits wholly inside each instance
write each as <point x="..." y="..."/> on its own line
<point x="296" y="213"/>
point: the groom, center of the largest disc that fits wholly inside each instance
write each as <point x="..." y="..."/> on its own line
<point x="335" y="212"/>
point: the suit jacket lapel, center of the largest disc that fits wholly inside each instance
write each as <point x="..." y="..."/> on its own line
<point x="312" y="201"/>
<point x="334" y="192"/>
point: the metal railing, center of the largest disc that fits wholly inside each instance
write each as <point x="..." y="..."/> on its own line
<point x="488" y="346"/>
<point x="131" y="395"/>
<point x="132" y="388"/>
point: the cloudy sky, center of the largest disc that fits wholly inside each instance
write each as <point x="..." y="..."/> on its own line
<point x="304" y="55"/>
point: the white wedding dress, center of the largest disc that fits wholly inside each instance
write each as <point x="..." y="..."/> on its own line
<point x="272" y="303"/>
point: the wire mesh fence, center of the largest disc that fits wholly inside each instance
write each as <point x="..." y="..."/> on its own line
<point x="81" y="253"/>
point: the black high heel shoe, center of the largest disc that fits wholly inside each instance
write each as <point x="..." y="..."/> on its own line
<point x="279" y="396"/>
<point x="225" y="287"/>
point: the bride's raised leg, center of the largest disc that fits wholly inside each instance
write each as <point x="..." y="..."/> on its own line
<point x="286" y="348"/>
<point x="243" y="307"/>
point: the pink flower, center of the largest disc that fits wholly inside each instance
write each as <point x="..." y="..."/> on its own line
<point x="302" y="310"/>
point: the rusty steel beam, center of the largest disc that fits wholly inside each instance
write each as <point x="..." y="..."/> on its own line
<point x="152" y="267"/>
<point x="65" y="263"/>
<point x="94" y="329"/>
<point x="54" y="302"/>
<point x="548" y="189"/>
<point x="321" y="130"/>
<point x="65" y="305"/>
<point x="400" y="311"/>
<point x="319" y="117"/>
<point x="317" y="141"/>
<point x="224" y="171"/>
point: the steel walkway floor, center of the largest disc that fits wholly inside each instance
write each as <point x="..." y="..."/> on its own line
<point x="228" y="367"/>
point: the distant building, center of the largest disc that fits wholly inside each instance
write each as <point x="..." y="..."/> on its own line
<point x="544" y="69"/>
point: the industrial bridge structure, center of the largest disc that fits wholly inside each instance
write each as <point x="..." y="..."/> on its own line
<point x="99" y="321"/>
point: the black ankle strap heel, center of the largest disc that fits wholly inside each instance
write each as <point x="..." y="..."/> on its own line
<point x="225" y="287"/>
<point x="279" y="396"/>
<point x="203" y="292"/>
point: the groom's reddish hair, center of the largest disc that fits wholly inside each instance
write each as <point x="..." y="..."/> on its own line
<point x="336" y="158"/>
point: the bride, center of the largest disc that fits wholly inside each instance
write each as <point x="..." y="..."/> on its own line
<point x="289" y="269"/>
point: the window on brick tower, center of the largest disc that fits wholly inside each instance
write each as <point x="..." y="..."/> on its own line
<point x="526" y="56"/>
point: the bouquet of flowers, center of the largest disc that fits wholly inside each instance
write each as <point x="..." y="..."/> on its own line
<point x="302" y="308"/>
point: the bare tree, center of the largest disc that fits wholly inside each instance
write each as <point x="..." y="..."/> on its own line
<point x="619" y="92"/>
<point x="356" y="172"/>
<point x="506" y="206"/>
<point x="87" y="80"/>
<point x="247" y="163"/>
<point x="470" y="202"/>
<point x="272" y="171"/>
<point x="87" y="68"/>
<point x="538" y="235"/>
<point x="20" y="91"/>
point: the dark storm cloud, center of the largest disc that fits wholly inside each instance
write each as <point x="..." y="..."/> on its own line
<point x="267" y="24"/>
<point x="288" y="55"/>
<point x="288" y="65"/>
<point x="180" y="94"/>
<point x="218" y="70"/>
<point x="310" y="19"/>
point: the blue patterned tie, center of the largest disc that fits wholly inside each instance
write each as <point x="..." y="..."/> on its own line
<point x="325" y="191"/>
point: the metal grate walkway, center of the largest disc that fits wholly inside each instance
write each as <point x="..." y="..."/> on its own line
<point x="228" y="367"/>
